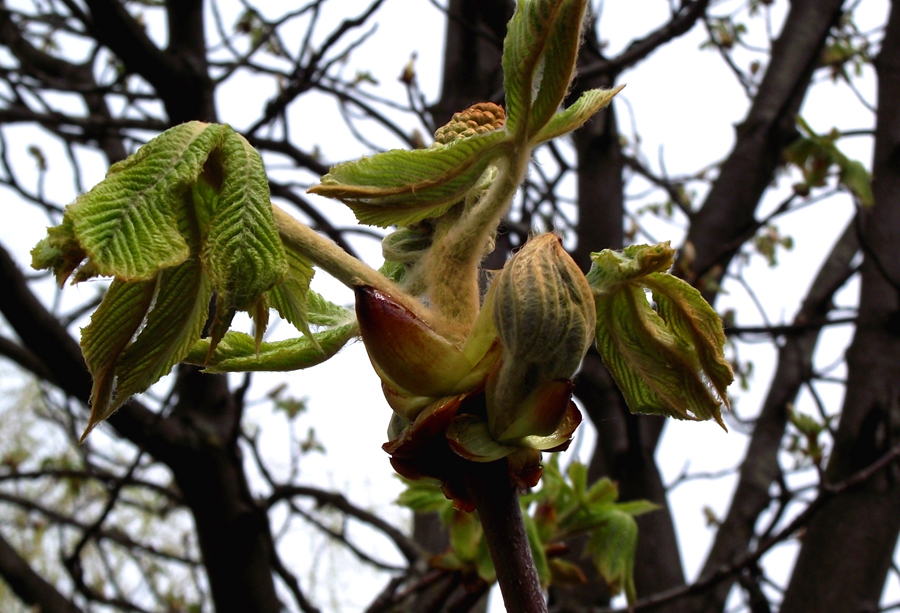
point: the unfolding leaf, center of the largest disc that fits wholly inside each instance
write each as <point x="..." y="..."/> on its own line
<point x="59" y="251"/>
<point x="242" y="252"/>
<point x="140" y="331"/>
<point x="465" y="535"/>
<point x="576" y="114"/>
<point x="129" y="224"/>
<point x="401" y="187"/>
<point x="112" y="327"/>
<point x="612" y="548"/>
<point x="538" y="60"/>
<point x="655" y="370"/>
<point x="321" y="312"/>
<point x="557" y="65"/>
<point x="290" y="295"/>
<point x="423" y="497"/>
<point x="691" y="318"/>
<point x="855" y="176"/>
<point x="237" y="352"/>
<point x="172" y="327"/>
<point x="666" y="362"/>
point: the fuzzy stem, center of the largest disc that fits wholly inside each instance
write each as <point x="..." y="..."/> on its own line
<point x="455" y="256"/>
<point x="328" y="256"/>
<point x="497" y="502"/>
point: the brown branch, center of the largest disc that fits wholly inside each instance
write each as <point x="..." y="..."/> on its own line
<point x="29" y="586"/>
<point x="407" y="547"/>
<point x="497" y="502"/>
<point x="113" y="535"/>
<point x="827" y="492"/>
<point x="680" y="23"/>
<point x="728" y="212"/>
<point x="760" y="467"/>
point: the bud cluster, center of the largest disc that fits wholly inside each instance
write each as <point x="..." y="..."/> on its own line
<point x="477" y="119"/>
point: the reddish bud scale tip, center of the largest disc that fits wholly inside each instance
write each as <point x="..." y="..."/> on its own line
<point x="407" y="352"/>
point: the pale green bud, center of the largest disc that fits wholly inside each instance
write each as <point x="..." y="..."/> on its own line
<point x="545" y="317"/>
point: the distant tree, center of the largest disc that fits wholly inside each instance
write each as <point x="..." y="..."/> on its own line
<point x="162" y="516"/>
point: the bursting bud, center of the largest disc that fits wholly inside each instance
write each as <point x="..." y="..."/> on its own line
<point x="545" y="316"/>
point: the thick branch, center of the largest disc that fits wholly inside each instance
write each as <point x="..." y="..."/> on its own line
<point x="728" y="212"/>
<point x="760" y="466"/>
<point x="848" y="549"/>
<point x="30" y="586"/>
<point x="680" y="23"/>
<point x="497" y="503"/>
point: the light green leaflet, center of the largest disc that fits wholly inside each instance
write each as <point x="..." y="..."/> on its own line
<point x="538" y="60"/>
<point x="167" y="317"/>
<point x="401" y="187"/>
<point x="238" y="352"/>
<point x="404" y="187"/>
<point x="669" y="360"/>
<point x="128" y="224"/>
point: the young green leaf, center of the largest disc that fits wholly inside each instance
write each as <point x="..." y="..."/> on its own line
<point x="539" y="60"/>
<point x="422" y="497"/>
<point x="465" y="535"/>
<point x="237" y="352"/>
<point x="113" y="325"/>
<point x="167" y="317"/>
<point x="557" y="65"/>
<point x="59" y="252"/>
<point x="576" y="115"/>
<point x="172" y="327"/>
<point x="612" y="548"/>
<point x="242" y="251"/>
<point x="693" y="321"/>
<point x="667" y="361"/>
<point x="321" y="312"/>
<point x="128" y="225"/>
<point x="401" y="187"/>
<point x="290" y="295"/>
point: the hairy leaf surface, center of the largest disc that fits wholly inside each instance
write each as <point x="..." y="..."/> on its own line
<point x="129" y="224"/>
<point x="112" y="327"/>
<point x="401" y="187"/>
<point x="577" y="114"/>
<point x="237" y="352"/>
<point x="536" y="72"/>
<point x="172" y="327"/>
<point x="242" y="252"/>
<point x="667" y="361"/>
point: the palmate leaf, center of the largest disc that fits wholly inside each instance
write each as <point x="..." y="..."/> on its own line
<point x="128" y="225"/>
<point x="401" y="187"/>
<point x="667" y="361"/>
